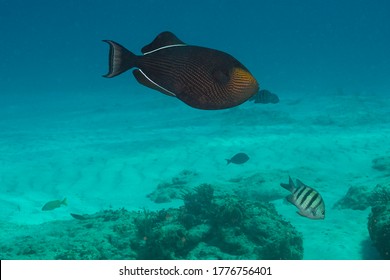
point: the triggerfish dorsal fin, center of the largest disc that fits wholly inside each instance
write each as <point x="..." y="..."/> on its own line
<point x="164" y="39"/>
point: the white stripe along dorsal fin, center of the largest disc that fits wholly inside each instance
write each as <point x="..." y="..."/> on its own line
<point x="164" y="39"/>
<point x="165" y="47"/>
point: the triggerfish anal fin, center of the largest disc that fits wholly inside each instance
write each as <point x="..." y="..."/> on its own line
<point x="144" y="80"/>
<point x="120" y="59"/>
<point x="164" y="39"/>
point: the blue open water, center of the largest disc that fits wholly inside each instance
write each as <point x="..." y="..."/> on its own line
<point x="65" y="131"/>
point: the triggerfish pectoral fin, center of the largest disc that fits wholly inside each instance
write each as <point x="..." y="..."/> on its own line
<point x="120" y="59"/>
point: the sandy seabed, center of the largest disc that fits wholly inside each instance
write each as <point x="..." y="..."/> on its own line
<point x="104" y="153"/>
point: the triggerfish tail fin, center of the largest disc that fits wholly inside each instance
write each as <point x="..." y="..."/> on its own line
<point x="64" y="202"/>
<point x="290" y="186"/>
<point x="228" y="161"/>
<point x="120" y="59"/>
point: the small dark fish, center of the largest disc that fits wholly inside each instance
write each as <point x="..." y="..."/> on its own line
<point x="202" y="78"/>
<point x="306" y="199"/>
<point x="239" y="158"/>
<point x="51" y="205"/>
<point x="79" y="217"/>
<point x="265" y="96"/>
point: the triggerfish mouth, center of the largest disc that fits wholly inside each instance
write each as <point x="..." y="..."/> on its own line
<point x="201" y="77"/>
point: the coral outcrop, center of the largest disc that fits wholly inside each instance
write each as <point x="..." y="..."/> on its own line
<point x="360" y="198"/>
<point x="356" y="198"/>
<point x="205" y="227"/>
<point x="382" y="164"/>
<point x="379" y="229"/>
<point x="379" y="220"/>
<point x="167" y="191"/>
<point x="209" y="227"/>
<point x="378" y="198"/>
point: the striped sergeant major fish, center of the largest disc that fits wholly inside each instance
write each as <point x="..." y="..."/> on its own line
<point x="306" y="199"/>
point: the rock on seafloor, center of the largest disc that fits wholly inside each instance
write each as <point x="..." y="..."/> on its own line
<point x="379" y="229"/>
<point x="205" y="227"/>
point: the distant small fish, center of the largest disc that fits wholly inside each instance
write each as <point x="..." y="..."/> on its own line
<point x="239" y="158"/>
<point x="51" y="205"/>
<point x="265" y="96"/>
<point x="79" y="217"/>
<point x="306" y="199"/>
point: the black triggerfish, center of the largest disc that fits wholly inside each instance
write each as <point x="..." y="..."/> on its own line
<point x="201" y="77"/>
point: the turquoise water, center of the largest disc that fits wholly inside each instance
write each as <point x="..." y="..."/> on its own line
<point x="131" y="160"/>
